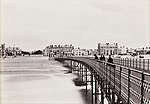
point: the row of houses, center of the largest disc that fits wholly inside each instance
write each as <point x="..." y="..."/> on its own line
<point x="84" y="52"/>
<point x="70" y="50"/>
<point x="9" y="51"/>
<point x="114" y="49"/>
<point x="66" y="50"/>
<point x="103" y="49"/>
<point x="58" y="50"/>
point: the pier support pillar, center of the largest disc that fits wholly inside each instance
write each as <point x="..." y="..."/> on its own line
<point x="102" y="93"/>
<point x="92" y="87"/>
<point x="86" y="80"/>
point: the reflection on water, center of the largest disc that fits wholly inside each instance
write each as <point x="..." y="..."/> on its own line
<point x="22" y="78"/>
<point x="37" y="80"/>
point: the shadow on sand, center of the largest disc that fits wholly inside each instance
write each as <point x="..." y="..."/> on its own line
<point x="86" y="97"/>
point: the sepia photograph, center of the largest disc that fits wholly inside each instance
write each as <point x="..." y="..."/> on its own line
<point x="74" y="51"/>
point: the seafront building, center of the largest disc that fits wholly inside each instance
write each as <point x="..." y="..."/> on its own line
<point x="67" y="50"/>
<point x="107" y="49"/>
<point x="131" y="51"/>
<point x="103" y="48"/>
<point x="83" y="52"/>
<point x="143" y="51"/>
<point x="2" y="50"/>
<point x="80" y="52"/>
<point x="13" y="51"/>
<point x="91" y="52"/>
<point x="58" y="50"/>
<point x="46" y="51"/>
<point x="122" y="50"/>
<point x="9" y="51"/>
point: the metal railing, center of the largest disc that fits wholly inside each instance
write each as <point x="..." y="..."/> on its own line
<point x="143" y="64"/>
<point x="131" y="84"/>
<point x="135" y="63"/>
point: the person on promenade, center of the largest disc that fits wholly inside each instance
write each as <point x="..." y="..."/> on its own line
<point x="110" y="62"/>
<point x="102" y="58"/>
<point x="96" y="58"/>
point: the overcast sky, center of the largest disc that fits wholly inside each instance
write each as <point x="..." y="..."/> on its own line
<point x="34" y="24"/>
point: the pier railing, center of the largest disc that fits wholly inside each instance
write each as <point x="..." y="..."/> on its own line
<point x="137" y="63"/>
<point x="131" y="84"/>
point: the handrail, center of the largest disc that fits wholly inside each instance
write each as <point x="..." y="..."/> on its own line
<point x="137" y="63"/>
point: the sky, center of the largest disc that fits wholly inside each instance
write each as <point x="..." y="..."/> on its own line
<point x="35" y="24"/>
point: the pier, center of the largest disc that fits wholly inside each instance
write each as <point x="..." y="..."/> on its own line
<point x="119" y="83"/>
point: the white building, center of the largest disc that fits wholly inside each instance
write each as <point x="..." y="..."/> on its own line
<point x="131" y="50"/>
<point x="122" y="50"/>
<point x="107" y="49"/>
<point x="46" y="51"/>
<point x="80" y="52"/>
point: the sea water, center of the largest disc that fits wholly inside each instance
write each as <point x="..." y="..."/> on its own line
<point x="37" y="80"/>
